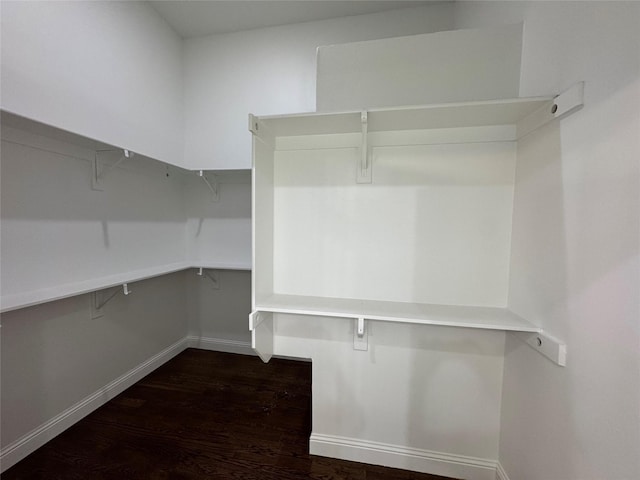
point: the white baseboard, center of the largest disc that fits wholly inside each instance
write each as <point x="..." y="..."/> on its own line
<point x="16" y="451"/>
<point x="500" y="472"/>
<point x="221" y="345"/>
<point x="425" y="461"/>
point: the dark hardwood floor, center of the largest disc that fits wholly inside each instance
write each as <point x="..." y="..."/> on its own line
<point x="202" y="415"/>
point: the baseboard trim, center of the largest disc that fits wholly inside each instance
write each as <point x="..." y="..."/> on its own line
<point x="501" y="474"/>
<point x="16" y="451"/>
<point x="424" y="461"/>
<point x="221" y="345"/>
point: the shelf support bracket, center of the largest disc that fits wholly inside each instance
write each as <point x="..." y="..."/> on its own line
<point x="255" y="319"/>
<point x="569" y="101"/>
<point x="547" y="345"/>
<point x="364" y="167"/>
<point x="213" y="185"/>
<point x="211" y="275"/>
<point x="100" y="301"/>
<point x="261" y="327"/>
<point x="99" y="173"/>
<point x="260" y="131"/>
<point x="360" y="334"/>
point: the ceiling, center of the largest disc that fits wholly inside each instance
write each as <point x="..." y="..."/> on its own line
<point x="191" y="18"/>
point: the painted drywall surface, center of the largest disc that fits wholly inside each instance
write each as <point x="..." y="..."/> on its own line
<point x="65" y="355"/>
<point x="218" y="230"/>
<point x="400" y="391"/>
<point x="57" y="230"/>
<point x="270" y="71"/>
<point x="412" y="388"/>
<point x="450" y="66"/>
<point x="576" y="235"/>
<point x="219" y="311"/>
<point x="111" y="71"/>
<point x="219" y="233"/>
<point x="435" y="219"/>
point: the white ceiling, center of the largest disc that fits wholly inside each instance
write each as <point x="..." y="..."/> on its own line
<point x="191" y="18"/>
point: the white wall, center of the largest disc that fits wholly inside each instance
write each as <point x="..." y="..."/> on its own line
<point x="55" y="355"/>
<point x="417" y="392"/>
<point x="56" y="230"/>
<point x="107" y="70"/>
<point x="217" y="313"/>
<point x="270" y="71"/>
<point x="423" y="397"/>
<point x="451" y="66"/>
<point x="581" y="235"/>
<point x="435" y="219"/>
<point x="219" y="231"/>
<point x="57" y="361"/>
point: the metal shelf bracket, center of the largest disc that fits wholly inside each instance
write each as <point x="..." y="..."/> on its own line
<point x="99" y="172"/>
<point x="99" y="300"/>
<point x="211" y="275"/>
<point x="212" y="184"/>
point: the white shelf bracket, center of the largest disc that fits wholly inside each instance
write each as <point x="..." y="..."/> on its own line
<point x="255" y="319"/>
<point x="360" y="335"/>
<point x="254" y="124"/>
<point x="569" y="101"/>
<point x="98" y="171"/>
<point x="212" y="184"/>
<point x="99" y="300"/>
<point x="211" y="275"/>
<point x="364" y="167"/>
<point x="260" y="131"/>
<point x="547" y="345"/>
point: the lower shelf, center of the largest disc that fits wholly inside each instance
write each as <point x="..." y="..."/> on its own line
<point x="488" y="318"/>
<point x="492" y="318"/>
<point x="58" y="292"/>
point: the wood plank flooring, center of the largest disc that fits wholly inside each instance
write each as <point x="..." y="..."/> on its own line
<point x="202" y="415"/>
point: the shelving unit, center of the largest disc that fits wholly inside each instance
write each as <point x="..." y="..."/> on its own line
<point x="492" y="318"/>
<point x="59" y="292"/>
<point x="396" y="215"/>
<point x="65" y="233"/>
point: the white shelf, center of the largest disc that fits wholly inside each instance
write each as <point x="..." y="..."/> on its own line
<point x="36" y="297"/>
<point x="451" y="115"/>
<point x="413" y="205"/>
<point x="221" y="266"/>
<point x="491" y="318"/>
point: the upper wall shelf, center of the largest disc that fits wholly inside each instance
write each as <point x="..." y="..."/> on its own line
<point x="61" y="239"/>
<point x="503" y="112"/>
<point x="34" y="127"/>
<point x="524" y="113"/>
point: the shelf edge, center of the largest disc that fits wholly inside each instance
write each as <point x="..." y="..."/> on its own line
<point x="527" y="328"/>
<point x="29" y="299"/>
